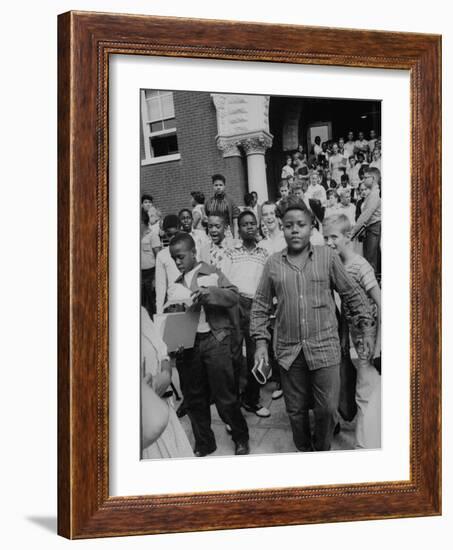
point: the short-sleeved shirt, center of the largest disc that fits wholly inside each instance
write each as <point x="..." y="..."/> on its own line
<point x="363" y="274"/>
<point x="245" y="268"/>
<point x="149" y="241"/>
<point x="220" y="255"/>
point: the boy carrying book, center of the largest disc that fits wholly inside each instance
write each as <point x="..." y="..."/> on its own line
<point x="206" y="370"/>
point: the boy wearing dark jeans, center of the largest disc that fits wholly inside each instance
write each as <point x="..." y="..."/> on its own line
<point x="206" y="370"/>
<point x="244" y="271"/>
<point x="307" y="345"/>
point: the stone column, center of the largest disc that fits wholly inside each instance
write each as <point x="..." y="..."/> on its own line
<point x="243" y="125"/>
<point x="233" y="160"/>
<point x="255" y="146"/>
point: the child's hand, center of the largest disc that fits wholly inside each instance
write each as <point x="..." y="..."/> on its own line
<point x="261" y="354"/>
<point x="200" y="296"/>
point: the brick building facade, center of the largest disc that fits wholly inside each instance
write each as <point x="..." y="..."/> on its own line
<point x="170" y="183"/>
<point x="188" y="136"/>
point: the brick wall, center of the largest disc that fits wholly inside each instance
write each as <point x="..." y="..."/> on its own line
<point x="170" y="183"/>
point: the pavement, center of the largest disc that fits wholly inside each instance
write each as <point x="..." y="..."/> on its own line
<point x="267" y="435"/>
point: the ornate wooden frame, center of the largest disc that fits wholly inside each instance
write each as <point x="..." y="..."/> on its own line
<point x="85" y="41"/>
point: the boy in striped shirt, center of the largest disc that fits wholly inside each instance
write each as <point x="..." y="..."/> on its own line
<point x="306" y="340"/>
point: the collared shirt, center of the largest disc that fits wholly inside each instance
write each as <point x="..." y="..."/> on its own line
<point x="370" y="211"/>
<point x="222" y="205"/>
<point x="305" y="316"/>
<point x="273" y="244"/>
<point x="245" y="268"/>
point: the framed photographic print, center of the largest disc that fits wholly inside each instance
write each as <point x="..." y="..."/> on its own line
<point x="232" y="261"/>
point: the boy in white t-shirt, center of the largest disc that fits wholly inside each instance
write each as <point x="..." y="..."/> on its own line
<point x="337" y="235"/>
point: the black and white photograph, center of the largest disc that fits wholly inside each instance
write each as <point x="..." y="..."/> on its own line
<point x="260" y="258"/>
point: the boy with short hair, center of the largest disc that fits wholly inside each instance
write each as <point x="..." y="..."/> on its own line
<point x="346" y="207"/>
<point x="221" y="204"/>
<point x="337" y="234"/>
<point x="206" y="370"/>
<point x="283" y="190"/>
<point x="316" y="190"/>
<point x="219" y="245"/>
<point x="199" y="236"/>
<point x="245" y="269"/>
<point x="306" y="343"/>
<point x="332" y="203"/>
<point x="298" y="192"/>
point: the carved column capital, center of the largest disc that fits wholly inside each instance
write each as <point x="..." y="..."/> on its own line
<point x="228" y="146"/>
<point x="256" y="143"/>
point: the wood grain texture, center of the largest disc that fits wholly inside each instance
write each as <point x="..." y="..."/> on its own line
<point x="85" y="42"/>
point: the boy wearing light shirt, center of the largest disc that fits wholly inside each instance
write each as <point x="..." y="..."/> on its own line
<point x="246" y="266"/>
<point x="315" y="190"/>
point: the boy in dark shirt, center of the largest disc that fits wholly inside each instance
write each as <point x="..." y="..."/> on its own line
<point x="206" y="370"/>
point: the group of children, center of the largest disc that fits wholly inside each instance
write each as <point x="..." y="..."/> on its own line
<point x="261" y="278"/>
<point x="339" y="164"/>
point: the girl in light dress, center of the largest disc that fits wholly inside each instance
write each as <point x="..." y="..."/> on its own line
<point x="337" y="164"/>
<point x="162" y="433"/>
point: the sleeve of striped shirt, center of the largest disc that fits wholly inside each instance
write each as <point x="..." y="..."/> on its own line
<point x="262" y="307"/>
<point x="367" y="276"/>
<point x="353" y="298"/>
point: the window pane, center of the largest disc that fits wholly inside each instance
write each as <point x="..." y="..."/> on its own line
<point x="169" y="124"/>
<point x="168" y="110"/>
<point x="154" y="109"/>
<point x="156" y="126"/>
<point x="164" y="145"/>
<point x="151" y="93"/>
